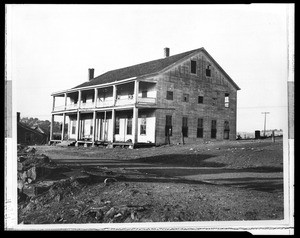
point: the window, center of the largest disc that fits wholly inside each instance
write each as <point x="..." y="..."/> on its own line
<point x="214" y="101"/>
<point x="169" y="95"/>
<point x="168" y="129"/>
<point x="200" y="128"/>
<point x="226" y="99"/>
<point x="200" y="99"/>
<point x="208" y="71"/>
<point x="185" y="97"/>
<point x="185" y="127"/>
<point x="117" y="126"/>
<point x="129" y="126"/>
<point x="213" y="129"/>
<point x="226" y="130"/>
<point x="91" y="130"/>
<point x="144" y="94"/>
<point x="143" y="126"/>
<point x="193" y="67"/>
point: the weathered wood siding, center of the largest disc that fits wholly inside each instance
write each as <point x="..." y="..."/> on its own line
<point x="180" y="80"/>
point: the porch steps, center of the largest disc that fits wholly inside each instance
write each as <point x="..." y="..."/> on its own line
<point x="66" y="143"/>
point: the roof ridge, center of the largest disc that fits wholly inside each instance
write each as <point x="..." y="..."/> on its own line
<point x="151" y="61"/>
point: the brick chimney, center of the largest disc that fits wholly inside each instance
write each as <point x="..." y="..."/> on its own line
<point x="91" y="74"/>
<point x="166" y="52"/>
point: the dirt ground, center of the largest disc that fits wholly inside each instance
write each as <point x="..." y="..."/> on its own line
<point x="220" y="181"/>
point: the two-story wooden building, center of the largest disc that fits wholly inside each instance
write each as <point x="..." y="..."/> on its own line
<point x="185" y="97"/>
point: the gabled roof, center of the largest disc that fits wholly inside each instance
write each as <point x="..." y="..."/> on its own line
<point x="147" y="68"/>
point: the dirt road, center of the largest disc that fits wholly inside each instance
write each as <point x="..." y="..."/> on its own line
<point x="238" y="180"/>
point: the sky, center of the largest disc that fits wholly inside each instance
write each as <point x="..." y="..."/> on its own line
<point x="49" y="48"/>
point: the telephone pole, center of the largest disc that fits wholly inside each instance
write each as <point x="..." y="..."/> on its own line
<point x="265" y="122"/>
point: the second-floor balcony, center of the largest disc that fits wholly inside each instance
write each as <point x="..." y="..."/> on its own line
<point x="117" y="95"/>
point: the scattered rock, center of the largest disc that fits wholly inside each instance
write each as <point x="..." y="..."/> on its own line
<point x="108" y="181"/>
<point x="110" y="213"/>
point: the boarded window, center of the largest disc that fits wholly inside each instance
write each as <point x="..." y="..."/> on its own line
<point x="213" y="129"/>
<point x="200" y="99"/>
<point x="168" y="128"/>
<point x="185" y="97"/>
<point x="226" y="99"/>
<point x="200" y="128"/>
<point x="185" y="127"/>
<point x="226" y="130"/>
<point x="129" y="126"/>
<point x="169" y="95"/>
<point x="193" y="67"/>
<point x="143" y="126"/>
<point x="117" y="126"/>
<point x="144" y="94"/>
<point x="208" y="71"/>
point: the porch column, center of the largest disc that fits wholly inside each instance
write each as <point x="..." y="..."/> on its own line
<point x="65" y="100"/>
<point x="114" y="94"/>
<point x="136" y="91"/>
<point x="79" y="99"/>
<point x="53" y="105"/>
<point x="94" y="128"/>
<point x="63" y="127"/>
<point x="95" y="97"/>
<point x="113" y="117"/>
<point x="135" y="124"/>
<point x="51" y="127"/>
<point x="77" y="127"/>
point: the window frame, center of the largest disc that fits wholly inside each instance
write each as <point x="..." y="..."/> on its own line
<point x="202" y="99"/>
<point x="226" y="100"/>
<point x="193" y="67"/>
<point x="168" y="96"/>
<point x="186" y="97"/>
<point x="185" y="127"/>
<point x="168" y="125"/>
<point x="200" y="128"/>
<point x="208" y="70"/>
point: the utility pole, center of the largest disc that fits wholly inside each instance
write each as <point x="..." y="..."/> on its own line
<point x="265" y="122"/>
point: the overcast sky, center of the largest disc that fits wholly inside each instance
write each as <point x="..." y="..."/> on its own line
<point x="51" y="47"/>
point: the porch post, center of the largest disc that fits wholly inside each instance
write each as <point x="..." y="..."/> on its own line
<point x="114" y="94"/>
<point x="135" y="124"/>
<point x="53" y="105"/>
<point x="79" y="99"/>
<point x="94" y="128"/>
<point x="65" y="100"/>
<point x="77" y="127"/>
<point x="51" y="127"/>
<point x="113" y="124"/>
<point x="63" y="127"/>
<point x="136" y="91"/>
<point x="95" y="97"/>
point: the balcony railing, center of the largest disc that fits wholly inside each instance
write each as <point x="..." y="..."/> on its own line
<point x="106" y="103"/>
<point x="146" y="100"/>
<point x="87" y="105"/>
<point x="71" y="106"/>
<point x="59" y="108"/>
<point x="124" y="101"/>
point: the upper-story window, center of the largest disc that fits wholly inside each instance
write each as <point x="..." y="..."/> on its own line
<point x="200" y="99"/>
<point x="185" y="97"/>
<point x="208" y="71"/>
<point x="193" y="67"/>
<point x="226" y="99"/>
<point x="169" y="95"/>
